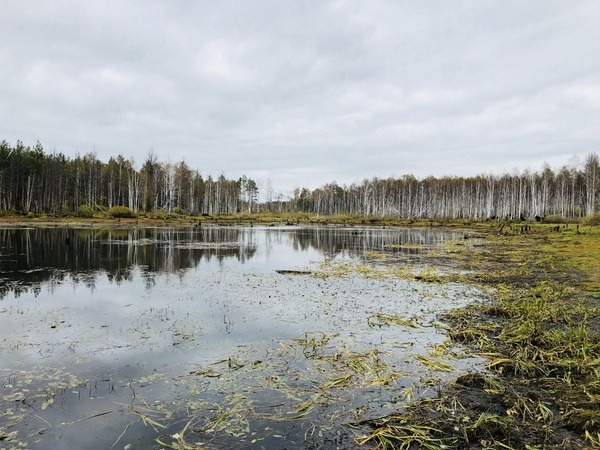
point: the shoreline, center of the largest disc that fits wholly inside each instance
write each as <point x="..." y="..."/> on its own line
<point x="540" y="335"/>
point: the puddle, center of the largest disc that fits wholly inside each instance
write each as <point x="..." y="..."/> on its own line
<point x="210" y="337"/>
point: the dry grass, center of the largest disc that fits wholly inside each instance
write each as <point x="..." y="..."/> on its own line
<point x="541" y="335"/>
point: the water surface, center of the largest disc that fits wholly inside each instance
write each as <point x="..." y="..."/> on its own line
<point x="114" y="338"/>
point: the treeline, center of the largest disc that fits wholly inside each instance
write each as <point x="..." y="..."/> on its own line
<point x="32" y="180"/>
<point x="569" y="193"/>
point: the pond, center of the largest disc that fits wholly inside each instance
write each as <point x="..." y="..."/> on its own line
<point x="219" y="337"/>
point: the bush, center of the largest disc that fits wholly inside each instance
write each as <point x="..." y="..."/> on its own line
<point x="591" y="220"/>
<point x="121" y="212"/>
<point x="559" y="219"/>
<point x="554" y="219"/>
<point x="158" y="215"/>
<point x="85" y="211"/>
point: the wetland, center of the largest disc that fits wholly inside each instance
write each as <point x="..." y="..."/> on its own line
<point x="198" y="337"/>
<point x="300" y="336"/>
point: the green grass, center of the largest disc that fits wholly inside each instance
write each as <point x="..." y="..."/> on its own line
<point x="541" y="338"/>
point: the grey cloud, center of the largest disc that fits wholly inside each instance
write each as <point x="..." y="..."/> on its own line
<point x="305" y="93"/>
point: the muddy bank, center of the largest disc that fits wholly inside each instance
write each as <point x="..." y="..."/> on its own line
<point x="540" y="336"/>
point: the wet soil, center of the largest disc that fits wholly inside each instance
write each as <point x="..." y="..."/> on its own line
<point x="540" y="333"/>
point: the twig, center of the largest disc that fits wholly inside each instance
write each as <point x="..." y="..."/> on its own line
<point x="121" y="435"/>
<point x="90" y="417"/>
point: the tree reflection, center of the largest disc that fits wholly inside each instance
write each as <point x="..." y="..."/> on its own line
<point x="32" y="257"/>
<point x="355" y="242"/>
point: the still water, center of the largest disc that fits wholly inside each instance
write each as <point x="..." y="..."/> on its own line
<point x="200" y="337"/>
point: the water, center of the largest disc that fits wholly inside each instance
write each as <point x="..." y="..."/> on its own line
<point x="114" y="338"/>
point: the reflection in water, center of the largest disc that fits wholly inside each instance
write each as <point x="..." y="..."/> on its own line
<point x="355" y="242"/>
<point x="31" y="257"/>
<point x="223" y="341"/>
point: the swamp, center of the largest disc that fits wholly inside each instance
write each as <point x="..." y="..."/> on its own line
<point x="283" y="337"/>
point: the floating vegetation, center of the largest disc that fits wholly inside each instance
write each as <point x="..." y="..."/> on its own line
<point x="344" y="269"/>
<point x="434" y="365"/>
<point x="405" y="436"/>
<point x="208" y="245"/>
<point x="380" y="319"/>
<point x="314" y="344"/>
<point x="316" y="379"/>
<point x="376" y="256"/>
<point x="22" y="394"/>
<point x="406" y="246"/>
<point x="430" y="275"/>
<point x="541" y="335"/>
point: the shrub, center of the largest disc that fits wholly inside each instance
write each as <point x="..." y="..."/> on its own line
<point x="158" y="215"/>
<point x="559" y="219"/>
<point x="85" y="211"/>
<point x="554" y="219"/>
<point x="591" y="220"/>
<point x="121" y="211"/>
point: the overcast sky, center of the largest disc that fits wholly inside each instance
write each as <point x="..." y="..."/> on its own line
<point x="306" y="92"/>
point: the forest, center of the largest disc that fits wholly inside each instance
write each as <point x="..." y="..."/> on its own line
<point x="35" y="181"/>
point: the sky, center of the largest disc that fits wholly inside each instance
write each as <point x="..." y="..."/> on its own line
<point x="303" y="93"/>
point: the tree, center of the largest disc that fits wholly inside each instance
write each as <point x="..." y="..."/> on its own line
<point x="149" y="179"/>
<point x="33" y="181"/>
<point x="251" y="193"/>
<point x="592" y="183"/>
<point x="269" y="192"/>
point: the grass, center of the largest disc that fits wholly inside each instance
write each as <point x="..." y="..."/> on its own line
<point x="87" y="215"/>
<point x="541" y="337"/>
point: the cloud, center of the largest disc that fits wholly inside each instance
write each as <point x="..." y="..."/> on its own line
<point x="305" y="93"/>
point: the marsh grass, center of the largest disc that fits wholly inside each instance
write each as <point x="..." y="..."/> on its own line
<point x="421" y="272"/>
<point x="315" y="380"/>
<point x="309" y="375"/>
<point x="541" y="336"/>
